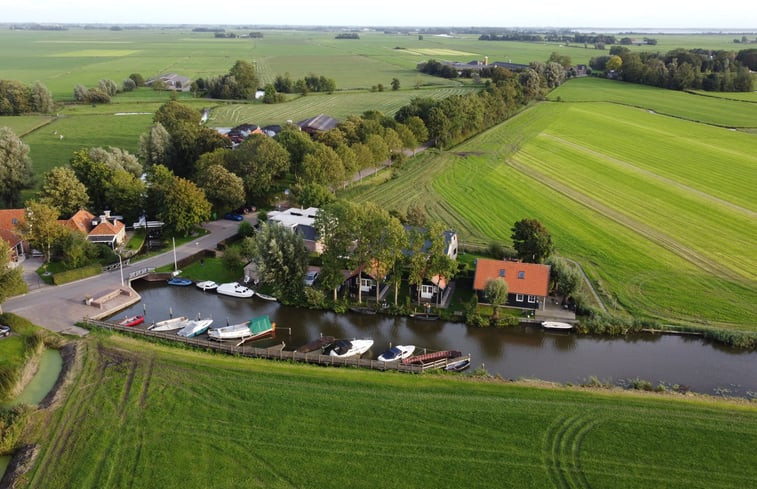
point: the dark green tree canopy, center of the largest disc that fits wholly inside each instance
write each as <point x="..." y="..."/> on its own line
<point x="531" y="240"/>
<point x="15" y="168"/>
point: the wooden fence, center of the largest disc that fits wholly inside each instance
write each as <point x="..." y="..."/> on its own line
<point x="277" y="352"/>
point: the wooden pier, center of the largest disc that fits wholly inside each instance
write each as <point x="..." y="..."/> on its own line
<point x="276" y="352"/>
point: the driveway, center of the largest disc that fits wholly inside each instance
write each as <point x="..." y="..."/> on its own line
<point x="58" y="308"/>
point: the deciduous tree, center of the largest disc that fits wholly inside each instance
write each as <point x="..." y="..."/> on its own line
<point x="184" y="207"/>
<point x="15" y="168"/>
<point x="41" y="227"/>
<point x="495" y="291"/>
<point x="281" y="259"/>
<point x="223" y="189"/>
<point x="258" y="161"/>
<point x="531" y="240"/>
<point x="61" y="189"/>
<point x="11" y="281"/>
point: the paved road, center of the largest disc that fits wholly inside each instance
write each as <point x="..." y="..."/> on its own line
<point x="58" y="308"/>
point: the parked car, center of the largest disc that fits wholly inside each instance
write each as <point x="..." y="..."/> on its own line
<point x="4" y="330"/>
<point x="232" y="216"/>
<point x="310" y="278"/>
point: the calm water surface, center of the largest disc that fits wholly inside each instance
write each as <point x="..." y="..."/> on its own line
<point x="521" y="352"/>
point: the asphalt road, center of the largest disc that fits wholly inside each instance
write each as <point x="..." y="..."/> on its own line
<point x="58" y="308"/>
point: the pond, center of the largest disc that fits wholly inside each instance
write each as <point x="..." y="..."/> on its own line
<point x="519" y="352"/>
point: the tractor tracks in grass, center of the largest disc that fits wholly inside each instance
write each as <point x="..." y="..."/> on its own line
<point x="561" y="450"/>
<point x="663" y="240"/>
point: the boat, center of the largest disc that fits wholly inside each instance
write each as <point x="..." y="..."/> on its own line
<point x="397" y="353"/>
<point x="556" y="325"/>
<point x="431" y="357"/>
<point x="235" y="289"/>
<point x="458" y="366"/>
<point x="180" y="281"/>
<point x="265" y="297"/>
<point x="363" y="310"/>
<point x="314" y="345"/>
<point x="132" y="320"/>
<point x="207" y="285"/>
<point x="169" y="324"/>
<point x="195" y="327"/>
<point x="424" y="316"/>
<point x="347" y="348"/>
<point x="253" y="329"/>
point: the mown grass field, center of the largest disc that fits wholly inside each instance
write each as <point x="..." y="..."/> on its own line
<point x="338" y="105"/>
<point x="659" y="211"/>
<point x="23" y="124"/>
<point x="145" y="416"/>
<point x="709" y="110"/>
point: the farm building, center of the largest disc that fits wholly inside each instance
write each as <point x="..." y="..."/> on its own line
<point x="9" y="219"/>
<point x="105" y="229"/>
<point x="317" y="124"/>
<point x="172" y="81"/>
<point x="527" y="283"/>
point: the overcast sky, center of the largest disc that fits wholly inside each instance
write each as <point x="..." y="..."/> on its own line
<point x="726" y="14"/>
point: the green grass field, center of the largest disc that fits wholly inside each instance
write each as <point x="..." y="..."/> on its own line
<point x="23" y="124"/>
<point x="710" y="110"/>
<point x="144" y="416"/>
<point x="659" y="211"/>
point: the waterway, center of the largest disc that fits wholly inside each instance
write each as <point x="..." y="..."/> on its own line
<point x="519" y="352"/>
<point x="50" y="364"/>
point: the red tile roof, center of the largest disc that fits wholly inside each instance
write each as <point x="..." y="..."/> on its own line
<point x="534" y="279"/>
<point x="9" y="237"/>
<point x="8" y="216"/>
<point x="81" y="221"/>
<point x="105" y="228"/>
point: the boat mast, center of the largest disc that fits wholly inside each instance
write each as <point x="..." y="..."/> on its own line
<point x="175" y="266"/>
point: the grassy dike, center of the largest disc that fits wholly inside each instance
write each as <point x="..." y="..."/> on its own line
<point x="146" y="415"/>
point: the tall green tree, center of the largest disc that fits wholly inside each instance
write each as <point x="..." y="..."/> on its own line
<point x="41" y="227"/>
<point x="159" y="180"/>
<point x="337" y="224"/>
<point x="11" y="280"/>
<point x="125" y="194"/>
<point x="15" y="168"/>
<point x="156" y="146"/>
<point x="439" y="263"/>
<point x="223" y="189"/>
<point x="297" y="144"/>
<point x="416" y="259"/>
<point x="281" y="259"/>
<point x="259" y="160"/>
<point x="94" y="175"/>
<point x="61" y="189"/>
<point x="184" y="207"/>
<point x="323" y="166"/>
<point x="531" y="240"/>
<point x="495" y="291"/>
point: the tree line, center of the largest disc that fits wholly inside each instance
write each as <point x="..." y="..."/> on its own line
<point x="17" y="98"/>
<point x="680" y="69"/>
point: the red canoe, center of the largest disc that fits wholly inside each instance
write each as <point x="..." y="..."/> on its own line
<point x="132" y="321"/>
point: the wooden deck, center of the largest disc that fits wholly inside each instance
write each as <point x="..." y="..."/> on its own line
<point x="276" y="352"/>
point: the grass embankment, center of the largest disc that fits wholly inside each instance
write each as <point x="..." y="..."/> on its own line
<point x="144" y="415"/>
<point x="659" y="211"/>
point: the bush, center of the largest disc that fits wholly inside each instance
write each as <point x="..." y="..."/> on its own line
<point x="76" y="274"/>
<point x="245" y="230"/>
<point x="315" y="298"/>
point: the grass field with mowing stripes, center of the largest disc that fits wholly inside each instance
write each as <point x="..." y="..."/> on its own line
<point x="141" y="416"/>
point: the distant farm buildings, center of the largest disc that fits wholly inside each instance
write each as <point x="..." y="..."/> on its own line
<point x="172" y="81"/>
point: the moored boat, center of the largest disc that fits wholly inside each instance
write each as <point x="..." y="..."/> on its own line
<point x="556" y="325"/>
<point x="235" y="289"/>
<point x="180" y="281"/>
<point x="397" y="353"/>
<point x="265" y="297"/>
<point x="132" y="320"/>
<point x="424" y="316"/>
<point x="362" y="310"/>
<point x="458" y="366"/>
<point x="206" y="285"/>
<point x="253" y="329"/>
<point x="195" y="327"/>
<point x="169" y="324"/>
<point x="348" y="348"/>
<point x="317" y="344"/>
<point x="431" y="357"/>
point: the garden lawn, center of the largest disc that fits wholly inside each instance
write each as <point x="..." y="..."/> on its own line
<point x="710" y="110"/>
<point x="144" y="416"/>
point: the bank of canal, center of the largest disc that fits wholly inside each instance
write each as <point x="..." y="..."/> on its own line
<point x="519" y="352"/>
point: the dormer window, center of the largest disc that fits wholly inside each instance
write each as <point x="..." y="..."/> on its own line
<point x="521" y="274"/>
<point x="502" y="272"/>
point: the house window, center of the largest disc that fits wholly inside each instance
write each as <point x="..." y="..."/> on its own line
<point x="521" y="274"/>
<point x="502" y="272"/>
<point x="532" y="299"/>
<point x="518" y="297"/>
<point x="366" y="283"/>
<point x="427" y="291"/>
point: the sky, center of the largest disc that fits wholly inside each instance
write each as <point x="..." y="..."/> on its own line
<point x="724" y="14"/>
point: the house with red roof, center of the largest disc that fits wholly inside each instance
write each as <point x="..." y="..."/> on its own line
<point x="9" y="236"/>
<point x="527" y="283"/>
<point x="105" y="229"/>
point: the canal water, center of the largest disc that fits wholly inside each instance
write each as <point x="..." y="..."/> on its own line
<point x="50" y="364"/>
<point x="519" y="352"/>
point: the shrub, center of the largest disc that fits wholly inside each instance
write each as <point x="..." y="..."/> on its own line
<point x="76" y="274"/>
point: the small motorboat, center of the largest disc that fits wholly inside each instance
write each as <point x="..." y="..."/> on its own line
<point x="195" y="327"/>
<point x="169" y="324"/>
<point x="235" y="289"/>
<point x="314" y="345"/>
<point x="253" y="329"/>
<point x="132" y="320"/>
<point x="206" y="285"/>
<point x="423" y="316"/>
<point x="180" y="281"/>
<point x="556" y="325"/>
<point x="363" y="310"/>
<point x="397" y="353"/>
<point x="458" y="366"/>
<point x="348" y="348"/>
<point x="265" y="297"/>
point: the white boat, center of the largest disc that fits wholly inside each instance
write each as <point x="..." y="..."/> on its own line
<point x="265" y="297"/>
<point x="397" y="353"/>
<point x="249" y="330"/>
<point x="195" y="327"/>
<point x="207" y="285"/>
<point x="556" y="325"/>
<point x="170" y="324"/>
<point x="235" y="289"/>
<point x="348" y="348"/>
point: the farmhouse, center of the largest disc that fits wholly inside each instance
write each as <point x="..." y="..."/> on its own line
<point x="172" y="81"/>
<point x="300" y="221"/>
<point x="527" y="283"/>
<point x="9" y="220"/>
<point x="106" y="229"/>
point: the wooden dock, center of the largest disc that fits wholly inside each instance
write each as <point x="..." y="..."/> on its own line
<point x="276" y="352"/>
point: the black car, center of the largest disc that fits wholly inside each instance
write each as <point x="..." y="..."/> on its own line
<point x="4" y="330"/>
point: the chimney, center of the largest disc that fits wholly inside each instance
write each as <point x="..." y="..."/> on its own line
<point x="486" y="60"/>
